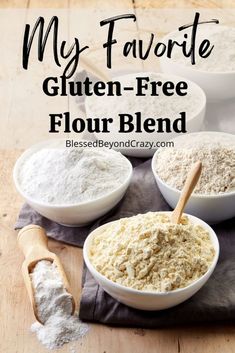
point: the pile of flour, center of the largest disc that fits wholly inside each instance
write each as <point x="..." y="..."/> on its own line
<point x="148" y="252"/>
<point x="216" y="151"/>
<point x="222" y="57"/>
<point x="69" y="176"/>
<point x="54" y="308"/>
<point x="152" y="106"/>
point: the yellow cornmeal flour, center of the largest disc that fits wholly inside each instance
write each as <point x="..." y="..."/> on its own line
<point x="148" y="252"/>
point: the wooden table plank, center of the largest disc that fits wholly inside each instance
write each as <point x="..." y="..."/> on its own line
<point x="44" y="4"/>
<point x="118" y="4"/>
<point x="161" y="4"/>
<point x="13" y="4"/>
<point x="19" y="87"/>
<point x="11" y="25"/>
<point x="100" y="4"/>
<point x="84" y="18"/>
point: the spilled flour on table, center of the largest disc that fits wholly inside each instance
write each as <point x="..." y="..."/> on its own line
<point x="54" y="308"/>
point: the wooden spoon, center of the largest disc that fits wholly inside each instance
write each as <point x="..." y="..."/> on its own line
<point x="188" y="188"/>
<point x="33" y="241"/>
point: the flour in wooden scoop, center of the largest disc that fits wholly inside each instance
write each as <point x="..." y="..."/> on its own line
<point x="54" y="308"/>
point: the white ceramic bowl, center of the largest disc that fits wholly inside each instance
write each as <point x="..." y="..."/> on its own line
<point x="211" y="208"/>
<point x="77" y="214"/>
<point x="150" y="300"/>
<point x="216" y="85"/>
<point x="193" y="122"/>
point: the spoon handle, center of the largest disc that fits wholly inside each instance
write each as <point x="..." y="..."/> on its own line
<point x="187" y="190"/>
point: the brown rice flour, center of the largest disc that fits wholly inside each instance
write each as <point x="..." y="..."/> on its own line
<point x="148" y="252"/>
<point x="216" y="152"/>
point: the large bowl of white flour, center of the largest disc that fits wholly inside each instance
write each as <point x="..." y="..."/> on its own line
<point x="71" y="186"/>
<point x="214" y="74"/>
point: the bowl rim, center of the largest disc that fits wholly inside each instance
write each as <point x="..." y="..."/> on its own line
<point x="198" y="90"/>
<point x="36" y="147"/>
<point x="215" y="243"/>
<point x="171" y="188"/>
<point x="182" y="66"/>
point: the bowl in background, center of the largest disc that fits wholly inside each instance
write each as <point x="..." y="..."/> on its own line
<point x="216" y="85"/>
<point x="78" y="214"/>
<point x="211" y="208"/>
<point x="194" y="121"/>
<point x="147" y="300"/>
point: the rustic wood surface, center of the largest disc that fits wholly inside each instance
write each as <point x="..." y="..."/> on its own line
<point x="15" y="311"/>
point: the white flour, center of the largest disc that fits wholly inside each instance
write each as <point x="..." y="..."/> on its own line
<point x="216" y="151"/>
<point x="151" y="106"/>
<point x="69" y="176"/>
<point x="222" y="57"/>
<point x="54" y="307"/>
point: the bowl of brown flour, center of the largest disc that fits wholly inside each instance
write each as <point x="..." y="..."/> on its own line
<point x="214" y="196"/>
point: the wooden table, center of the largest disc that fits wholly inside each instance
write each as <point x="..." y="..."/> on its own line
<point x="15" y="311"/>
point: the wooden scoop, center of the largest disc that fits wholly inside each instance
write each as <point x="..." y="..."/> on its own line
<point x="33" y="241"/>
<point x="188" y="188"/>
